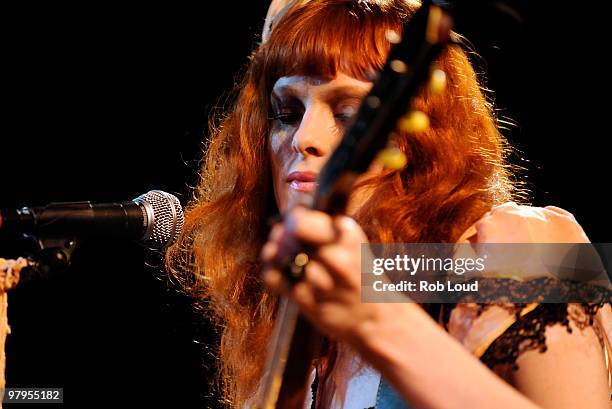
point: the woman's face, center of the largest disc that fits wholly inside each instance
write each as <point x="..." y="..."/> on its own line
<point x="310" y="116"/>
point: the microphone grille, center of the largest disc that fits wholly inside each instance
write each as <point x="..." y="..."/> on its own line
<point x="164" y="218"/>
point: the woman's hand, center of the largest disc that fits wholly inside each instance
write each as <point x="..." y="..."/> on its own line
<point x="400" y="340"/>
<point x="329" y="294"/>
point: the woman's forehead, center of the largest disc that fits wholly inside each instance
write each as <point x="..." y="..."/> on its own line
<point x="300" y="84"/>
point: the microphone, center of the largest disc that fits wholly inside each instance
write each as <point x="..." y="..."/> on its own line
<point x="154" y="218"/>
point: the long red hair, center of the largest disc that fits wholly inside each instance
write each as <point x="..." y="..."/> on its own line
<point x="456" y="171"/>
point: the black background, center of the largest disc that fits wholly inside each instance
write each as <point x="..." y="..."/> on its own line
<point x="104" y="104"/>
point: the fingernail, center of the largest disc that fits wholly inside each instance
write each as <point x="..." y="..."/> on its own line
<point x="276" y="232"/>
<point x="268" y="251"/>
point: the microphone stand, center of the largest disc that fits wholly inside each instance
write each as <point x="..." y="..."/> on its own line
<point x="50" y="255"/>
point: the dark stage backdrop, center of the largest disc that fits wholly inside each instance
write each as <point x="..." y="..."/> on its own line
<point x="104" y="103"/>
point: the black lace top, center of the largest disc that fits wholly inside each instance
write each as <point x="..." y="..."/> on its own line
<point x="528" y="330"/>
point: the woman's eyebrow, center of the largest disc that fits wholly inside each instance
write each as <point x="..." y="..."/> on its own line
<point x="292" y="87"/>
<point x="331" y="93"/>
<point x="345" y="92"/>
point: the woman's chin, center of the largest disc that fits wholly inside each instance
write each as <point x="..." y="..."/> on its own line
<point x="298" y="197"/>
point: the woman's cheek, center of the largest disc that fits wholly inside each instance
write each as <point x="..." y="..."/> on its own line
<point x="275" y="143"/>
<point x="279" y="148"/>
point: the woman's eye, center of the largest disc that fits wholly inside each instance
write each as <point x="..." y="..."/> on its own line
<point x="287" y="118"/>
<point x="346" y="114"/>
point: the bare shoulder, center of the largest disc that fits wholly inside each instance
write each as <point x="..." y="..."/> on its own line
<point x="514" y="223"/>
<point x="571" y="373"/>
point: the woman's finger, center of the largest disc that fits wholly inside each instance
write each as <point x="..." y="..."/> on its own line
<point x="318" y="276"/>
<point x="275" y="281"/>
<point x="344" y="265"/>
<point x="269" y="252"/>
<point x="311" y="227"/>
<point x="302" y="293"/>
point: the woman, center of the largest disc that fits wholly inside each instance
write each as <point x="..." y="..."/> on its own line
<point x="302" y="87"/>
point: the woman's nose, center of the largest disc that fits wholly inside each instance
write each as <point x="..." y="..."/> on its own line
<point x="317" y="134"/>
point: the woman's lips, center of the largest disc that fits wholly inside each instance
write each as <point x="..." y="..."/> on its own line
<point x="306" y="187"/>
<point x="305" y="182"/>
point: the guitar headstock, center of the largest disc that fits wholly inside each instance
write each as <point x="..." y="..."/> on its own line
<point x="386" y="107"/>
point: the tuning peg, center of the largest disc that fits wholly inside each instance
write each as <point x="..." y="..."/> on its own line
<point x="437" y="83"/>
<point x="392" y="36"/>
<point x="414" y="121"/>
<point x="392" y="158"/>
<point x="399" y="66"/>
